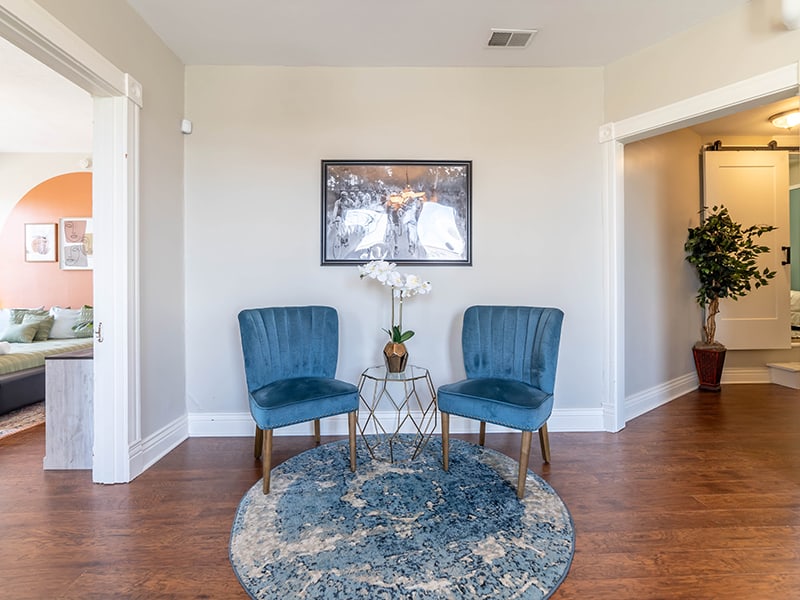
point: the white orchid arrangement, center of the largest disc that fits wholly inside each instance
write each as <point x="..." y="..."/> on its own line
<point x="402" y="286"/>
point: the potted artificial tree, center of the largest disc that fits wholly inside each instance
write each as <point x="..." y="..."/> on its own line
<point x="724" y="254"/>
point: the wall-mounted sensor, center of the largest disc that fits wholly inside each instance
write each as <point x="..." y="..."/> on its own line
<point x="186" y="126"/>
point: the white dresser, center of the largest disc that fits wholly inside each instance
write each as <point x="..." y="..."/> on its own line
<point x="69" y="414"/>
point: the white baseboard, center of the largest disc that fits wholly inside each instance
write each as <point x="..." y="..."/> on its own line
<point x="746" y="375"/>
<point x="576" y="419"/>
<point x="646" y="400"/>
<point x="241" y="424"/>
<point x="148" y="451"/>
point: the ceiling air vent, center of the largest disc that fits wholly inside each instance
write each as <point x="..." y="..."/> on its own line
<point x="511" y="38"/>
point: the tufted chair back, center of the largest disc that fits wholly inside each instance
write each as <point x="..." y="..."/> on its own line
<point x="288" y="342"/>
<point x="512" y="342"/>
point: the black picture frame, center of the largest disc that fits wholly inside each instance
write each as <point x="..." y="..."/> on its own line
<point x="403" y="211"/>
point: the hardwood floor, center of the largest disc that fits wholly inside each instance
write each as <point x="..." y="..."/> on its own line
<point x="697" y="499"/>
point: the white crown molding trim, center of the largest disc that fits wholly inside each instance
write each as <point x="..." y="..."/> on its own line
<point x="606" y="133"/>
<point x="153" y="448"/>
<point x="241" y="424"/>
<point x="133" y="90"/>
<point x="30" y="27"/>
<point x="613" y="193"/>
<point x="770" y="86"/>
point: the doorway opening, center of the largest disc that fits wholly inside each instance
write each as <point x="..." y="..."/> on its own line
<point x="116" y="103"/>
<point x="625" y="401"/>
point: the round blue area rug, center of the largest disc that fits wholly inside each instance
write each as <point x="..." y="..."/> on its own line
<point x="406" y="530"/>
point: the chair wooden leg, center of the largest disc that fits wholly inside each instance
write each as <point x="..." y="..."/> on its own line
<point x="524" y="454"/>
<point x="482" y="434"/>
<point x="351" y="426"/>
<point x="544" y="442"/>
<point x="266" y="459"/>
<point x="446" y="441"/>
<point x="259" y="442"/>
<point x="316" y="431"/>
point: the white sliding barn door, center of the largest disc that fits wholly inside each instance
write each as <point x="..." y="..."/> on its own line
<point x="754" y="186"/>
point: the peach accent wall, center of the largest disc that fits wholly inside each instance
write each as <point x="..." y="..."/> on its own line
<point x="24" y="284"/>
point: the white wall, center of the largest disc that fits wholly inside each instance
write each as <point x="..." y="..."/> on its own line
<point x="20" y="172"/>
<point x="253" y="210"/>
<point x="662" y="200"/>
<point x="119" y="34"/>
<point x="743" y="43"/>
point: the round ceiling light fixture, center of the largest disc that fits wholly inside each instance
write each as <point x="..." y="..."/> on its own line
<point x="786" y="120"/>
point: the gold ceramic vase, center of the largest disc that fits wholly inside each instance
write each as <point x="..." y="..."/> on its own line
<point x="396" y="357"/>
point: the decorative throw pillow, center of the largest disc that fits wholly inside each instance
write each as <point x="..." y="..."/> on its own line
<point x="44" y="325"/>
<point x="20" y="333"/>
<point x="85" y="324"/>
<point x="5" y="318"/>
<point x="65" y="320"/>
<point x="17" y="314"/>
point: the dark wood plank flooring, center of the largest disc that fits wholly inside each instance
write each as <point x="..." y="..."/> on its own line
<point x="697" y="499"/>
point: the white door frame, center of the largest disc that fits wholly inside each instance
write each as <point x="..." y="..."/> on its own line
<point x="117" y="101"/>
<point x="769" y="87"/>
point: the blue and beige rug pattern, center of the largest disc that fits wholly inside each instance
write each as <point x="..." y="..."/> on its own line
<point x="405" y="530"/>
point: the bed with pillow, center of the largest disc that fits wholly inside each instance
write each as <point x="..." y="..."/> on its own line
<point x="27" y="336"/>
<point x="794" y="307"/>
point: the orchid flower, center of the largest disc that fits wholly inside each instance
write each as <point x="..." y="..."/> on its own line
<point x="402" y="286"/>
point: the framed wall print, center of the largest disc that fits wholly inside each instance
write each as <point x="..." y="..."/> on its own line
<point x="403" y="211"/>
<point x="77" y="238"/>
<point x="40" y="242"/>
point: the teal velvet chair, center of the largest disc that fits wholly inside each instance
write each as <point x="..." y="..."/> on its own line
<point x="290" y="356"/>
<point x="510" y="357"/>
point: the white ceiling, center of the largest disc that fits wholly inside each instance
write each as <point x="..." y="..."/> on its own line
<point x="42" y="112"/>
<point x="753" y="122"/>
<point x="417" y="33"/>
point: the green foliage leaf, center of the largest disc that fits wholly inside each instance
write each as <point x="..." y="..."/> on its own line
<point x="397" y="336"/>
<point x="725" y="257"/>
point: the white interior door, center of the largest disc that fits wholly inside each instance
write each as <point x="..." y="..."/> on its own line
<point x="754" y="186"/>
<point x="117" y="431"/>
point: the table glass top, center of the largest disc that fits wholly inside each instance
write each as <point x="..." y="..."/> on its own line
<point x="381" y="373"/>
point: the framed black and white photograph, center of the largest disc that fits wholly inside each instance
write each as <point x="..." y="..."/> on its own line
<point x="402" y="211"/>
